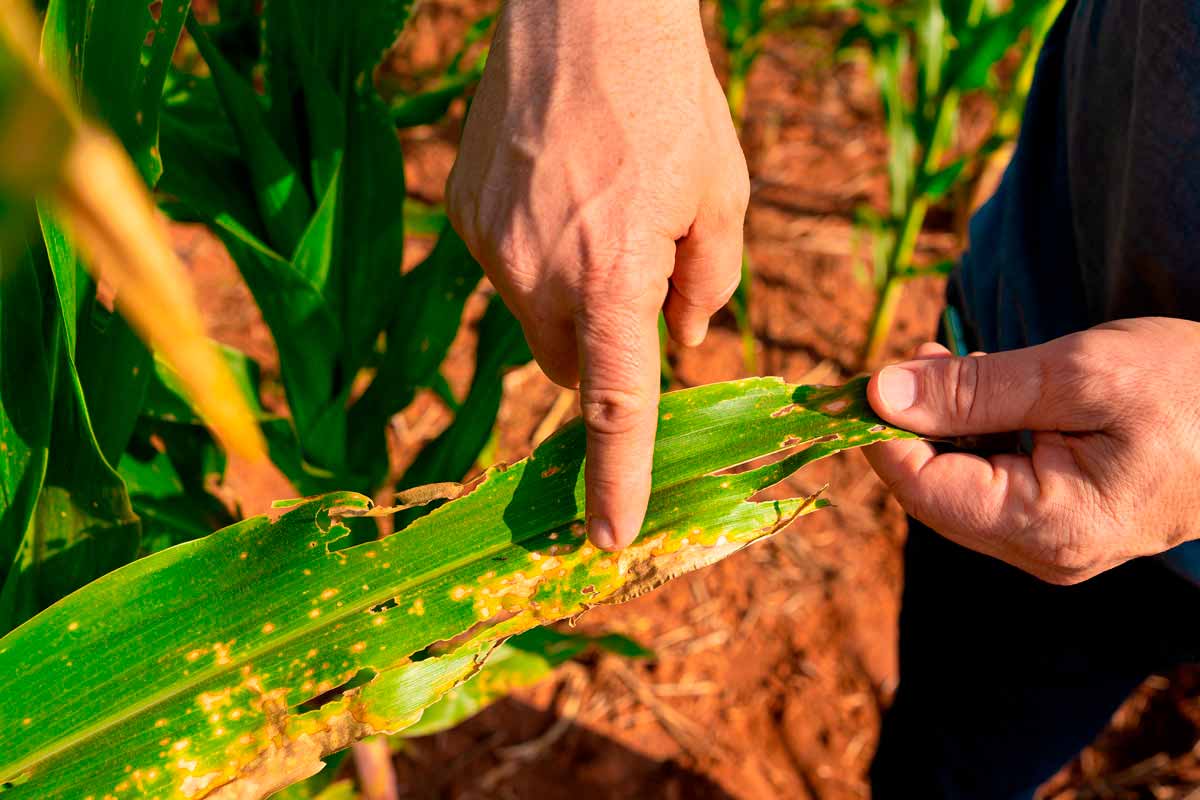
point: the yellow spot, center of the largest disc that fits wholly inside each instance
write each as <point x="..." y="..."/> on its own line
<point x="377" y="621"/>
<point x="219" y="732"/>
<point x="311" y="653"/>
<point x="417" y="608"/>
<point x="243" y="555"/>
<point x="316" y="612"/>
<point x="27" y="721"/>
<point x="459" y="592"/>
<point x="180" y="745"/>
<point x="268" y="628"/>
<point x="358" y="647"/>
<point x="74" y="626"/>
<point x="214" y="717"/>
<point x="192" y="656"/>
<point x="535" y="555"/>
<point x="668" y="415"/>
<point x="328" y="593"/>
<point x="370" y="554"/>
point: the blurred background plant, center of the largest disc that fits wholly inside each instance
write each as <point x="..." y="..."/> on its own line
<point x="925" y="56"/>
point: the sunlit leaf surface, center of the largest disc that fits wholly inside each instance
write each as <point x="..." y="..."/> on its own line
<point x="207" y="670"/>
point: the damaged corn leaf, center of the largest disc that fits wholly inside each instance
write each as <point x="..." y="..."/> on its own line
<point x="522" y="661"/>
<point x="227" y="667"/>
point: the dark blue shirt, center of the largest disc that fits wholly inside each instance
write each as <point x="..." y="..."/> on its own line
<point x="1098" y="215"/>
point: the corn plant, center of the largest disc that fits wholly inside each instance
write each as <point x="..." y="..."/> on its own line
<point x="240" y="660"/>
<point x="742" y="24"/>
<point x="83" y="268"/>
<point x="108" y="455"/>
<point x="231" y="664"/>
<point x="946" y="48"/>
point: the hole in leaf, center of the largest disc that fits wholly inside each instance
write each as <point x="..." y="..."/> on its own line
<point x="790" y="446"/>
<point x="384" y="606"/>
<point x="363" y="676"/>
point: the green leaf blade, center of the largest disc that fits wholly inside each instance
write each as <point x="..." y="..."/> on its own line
<point x="205" y="675"/>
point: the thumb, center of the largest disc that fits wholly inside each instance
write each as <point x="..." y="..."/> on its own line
<point x="1046" y="388"/>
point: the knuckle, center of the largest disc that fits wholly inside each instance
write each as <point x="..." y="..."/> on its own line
<point x="613" y="412"/>
<point x="708" y="299"/>
<point x="962" y="387"/>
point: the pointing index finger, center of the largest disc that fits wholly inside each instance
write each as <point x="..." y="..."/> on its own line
<point x="619" y="403"/>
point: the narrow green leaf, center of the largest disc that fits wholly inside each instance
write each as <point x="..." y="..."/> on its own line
<point x="116" y="55"/>
<point x="282" y="199"/>
<point x="522" y="661"/>
<point x="423" y="219"/>
<point x="208" y="665"/>
<point x="167" y="401"/>
<point x="83" y="525"/>
<point x="29" y="342"/>
<point x="306" y="336"/>
<point x="429" y="106"/>
<point x="451" y="455"/>
<point x="935" y="186"/>
<point x="426" y="321"/>
<point x="200" y="175"/>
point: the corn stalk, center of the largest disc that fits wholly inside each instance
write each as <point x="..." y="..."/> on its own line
<point x="948" y="48"/>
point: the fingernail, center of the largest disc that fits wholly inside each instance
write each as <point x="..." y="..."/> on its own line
<point x="600" y="532"/>
<point x="898" y="387"/>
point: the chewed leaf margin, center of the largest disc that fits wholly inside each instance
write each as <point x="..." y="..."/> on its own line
<point x="231" y="664"/>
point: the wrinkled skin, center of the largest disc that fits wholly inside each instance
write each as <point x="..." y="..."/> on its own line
<point x="1115" y="469"/>
<point x="599" y="182"/>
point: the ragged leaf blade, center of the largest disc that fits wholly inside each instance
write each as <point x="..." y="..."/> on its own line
<point x="205" y="664"/>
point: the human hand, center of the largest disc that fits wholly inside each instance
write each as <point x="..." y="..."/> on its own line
<point x="600" y="181"/>
<point x="1115" y="468"/>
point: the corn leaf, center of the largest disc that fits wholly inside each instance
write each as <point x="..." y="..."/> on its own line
<point x="83" y="525"/>
<point x="426" y="320"/>
<point x="29" y="332"/>
<point x="206" y="670"/>
<point x="115" y="55"/>
<point x="283" y="201"/>
<point x="521" y="661"/>
<point x="451" y="455"/>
